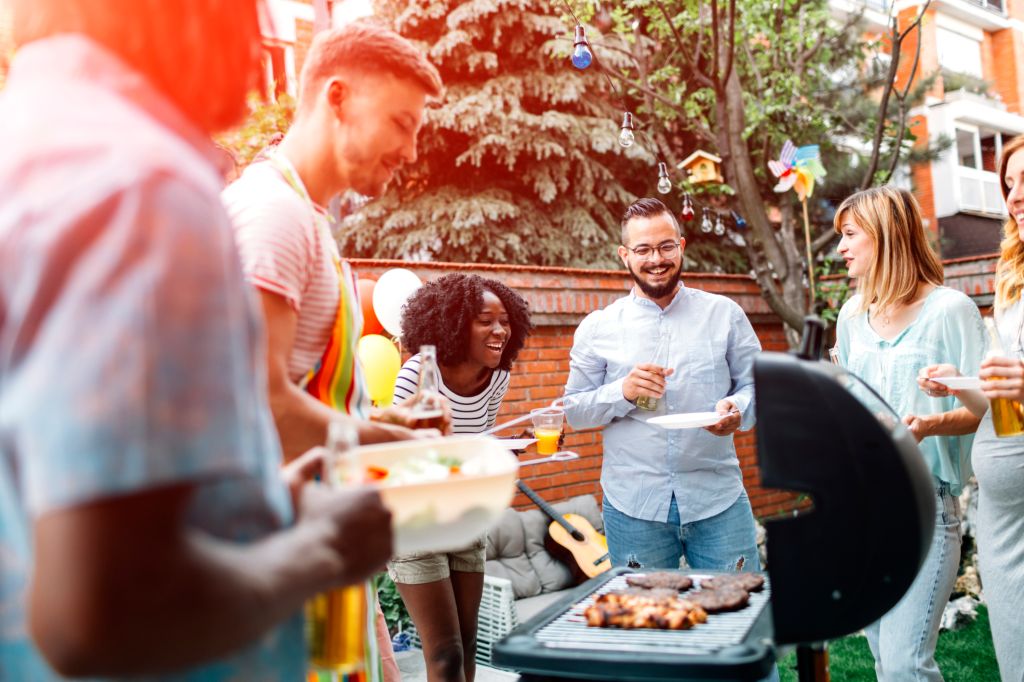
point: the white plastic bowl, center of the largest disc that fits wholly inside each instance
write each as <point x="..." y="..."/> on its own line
<point x="444" y="515"/>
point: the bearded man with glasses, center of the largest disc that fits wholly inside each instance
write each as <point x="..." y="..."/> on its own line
<point x="668" y="494"/>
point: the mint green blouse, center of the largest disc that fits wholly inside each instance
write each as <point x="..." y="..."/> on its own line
<point x="947" y="330"/>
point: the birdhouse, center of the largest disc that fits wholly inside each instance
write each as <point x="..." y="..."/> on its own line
<point x="702" y="167"/>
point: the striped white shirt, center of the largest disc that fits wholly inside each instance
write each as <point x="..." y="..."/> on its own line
<point x="470" y="414"/>
<point x="287" y="249"/>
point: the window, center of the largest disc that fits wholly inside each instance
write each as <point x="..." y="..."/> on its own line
<point x="958" y="52"/>
<point x="977" y="155"/>
<point x="275" y="73"/>
<point x="965" y="148"/>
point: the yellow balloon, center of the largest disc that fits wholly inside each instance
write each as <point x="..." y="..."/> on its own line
<point x="381" y="361"/>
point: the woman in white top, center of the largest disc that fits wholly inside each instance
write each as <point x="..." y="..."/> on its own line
<point x="478" y="327"/>
<point x="999" y="461"/>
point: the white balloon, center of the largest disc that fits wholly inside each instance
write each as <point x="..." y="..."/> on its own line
<point x="390" y="293"/>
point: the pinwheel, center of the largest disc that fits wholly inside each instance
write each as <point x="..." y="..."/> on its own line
<point x="797" y="168"/>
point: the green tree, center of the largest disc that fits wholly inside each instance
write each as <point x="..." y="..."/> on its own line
<point x="738" y="78"/>
<point x="519" y="162"/>
<point x="266" y="122"/>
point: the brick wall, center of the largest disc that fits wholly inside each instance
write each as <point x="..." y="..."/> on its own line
<point x="303" y="37"/>
<point x="559" y="298"/>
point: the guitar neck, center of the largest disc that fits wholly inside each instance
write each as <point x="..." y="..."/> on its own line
<point x="549" y="510"/>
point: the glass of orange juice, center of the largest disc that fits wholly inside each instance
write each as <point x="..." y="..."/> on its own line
<point x="547" y="427"/>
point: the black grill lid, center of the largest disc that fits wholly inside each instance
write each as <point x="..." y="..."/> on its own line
<point x="844" y="564"/>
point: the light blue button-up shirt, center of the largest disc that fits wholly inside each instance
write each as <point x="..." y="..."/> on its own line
<point x="712" y="349"/>
<point x="948" y="329"/>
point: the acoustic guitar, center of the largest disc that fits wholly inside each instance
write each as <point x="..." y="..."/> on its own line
<point x="573" y="535"/>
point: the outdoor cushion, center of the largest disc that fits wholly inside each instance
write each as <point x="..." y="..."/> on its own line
<point x="531" y="606"/>
<point x="506" y="556"/>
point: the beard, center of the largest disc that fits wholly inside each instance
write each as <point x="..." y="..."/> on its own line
<point x="657" y="291"/>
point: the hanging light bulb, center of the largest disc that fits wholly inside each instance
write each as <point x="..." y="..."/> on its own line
<point x="664" y="184"/>
<point x="581" y="54"/>
<point x="626" y="137"/>
<point x="687" y="211"/>
<point x="705" y="223"/>
<point x="741" y="224"/>
<point x="719" y="227"/>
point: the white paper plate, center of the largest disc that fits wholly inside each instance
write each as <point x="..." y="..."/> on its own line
<point x="517" y="443"/>
<point x="959" y="383"/>
<point x="690" y="420"/>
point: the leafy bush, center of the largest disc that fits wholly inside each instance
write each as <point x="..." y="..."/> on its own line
<point x="391" y="604"/>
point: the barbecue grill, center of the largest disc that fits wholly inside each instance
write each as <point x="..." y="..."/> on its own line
<point x="831" y="570"/>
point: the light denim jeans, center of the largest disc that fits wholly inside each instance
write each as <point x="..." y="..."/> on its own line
<point x="903" y="641"/>
<point x="715" y="544"/>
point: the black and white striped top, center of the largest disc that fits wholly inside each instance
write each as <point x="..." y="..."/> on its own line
<point x="470" y="414"/>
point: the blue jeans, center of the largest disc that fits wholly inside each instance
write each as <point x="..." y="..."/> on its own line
<point x="713" y="544"/>
<point x="903" y="641"/>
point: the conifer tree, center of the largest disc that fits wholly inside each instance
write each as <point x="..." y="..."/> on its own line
<point x="520" y="162"/>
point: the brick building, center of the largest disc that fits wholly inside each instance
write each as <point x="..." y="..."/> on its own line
<point x="976" y="50"/>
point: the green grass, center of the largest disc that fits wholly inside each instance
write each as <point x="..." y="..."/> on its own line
<point x="965" y="655"/>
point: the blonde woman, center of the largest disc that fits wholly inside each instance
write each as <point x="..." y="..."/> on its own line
<point x="999" y="462"/>
<point x="902" y="320"/>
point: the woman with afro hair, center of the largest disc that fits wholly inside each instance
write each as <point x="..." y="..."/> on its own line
<point x="478" y="327"/>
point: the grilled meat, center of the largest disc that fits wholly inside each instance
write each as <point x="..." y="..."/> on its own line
<point x="672" y="581"/>
<point x="655" y="609"/>
<point x="722" y="599"/>
<point x="751" y="582"/>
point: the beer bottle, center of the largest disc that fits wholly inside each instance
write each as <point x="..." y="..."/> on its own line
<point x="340" y="623"/>
<point x="426" y="405"/>
<point x="1007" y="414"/>
<point x="661" y="360"/>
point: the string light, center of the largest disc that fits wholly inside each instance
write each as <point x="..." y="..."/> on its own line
<point x="582" y="58"/>
<point x="705" y="223"/>
<point x="626" y="137"/>
<point x="664" y="184"/>
<point x="581" y="54"/>
<point x="687" y="212"/>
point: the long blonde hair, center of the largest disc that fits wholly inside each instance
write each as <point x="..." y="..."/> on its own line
<point x="903" y="258"/>
<point x="1010" y="270"/>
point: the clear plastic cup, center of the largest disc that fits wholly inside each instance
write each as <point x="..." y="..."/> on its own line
<point x="547" y="427"/>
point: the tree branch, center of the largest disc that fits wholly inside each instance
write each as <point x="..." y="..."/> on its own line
<point x="730" y="53"/>
<point x="714" y="47"/>
<point x="822" y="240"/>
<point x="883" y="106"/>
<point x="702" y="77"/>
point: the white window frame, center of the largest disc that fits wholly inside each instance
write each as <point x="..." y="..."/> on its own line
<point x="977" y="173"/>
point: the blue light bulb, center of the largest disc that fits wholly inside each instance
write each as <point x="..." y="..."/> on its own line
<point x="581" y="55"/>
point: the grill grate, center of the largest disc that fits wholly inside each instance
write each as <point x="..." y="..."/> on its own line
<point x="570" y="631"/>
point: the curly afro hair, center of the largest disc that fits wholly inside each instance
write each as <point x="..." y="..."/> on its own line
<point x="441" y="311"/>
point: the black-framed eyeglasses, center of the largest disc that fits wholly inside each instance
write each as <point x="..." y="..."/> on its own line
<point x="667" y="250"/>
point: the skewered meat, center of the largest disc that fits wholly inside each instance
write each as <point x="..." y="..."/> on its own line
<point x="630" y="610"/>
<point x="672" y="581"/>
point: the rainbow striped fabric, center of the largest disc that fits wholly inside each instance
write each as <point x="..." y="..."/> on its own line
<point x="337" y="380"/>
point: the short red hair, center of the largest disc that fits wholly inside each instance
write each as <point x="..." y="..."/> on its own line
<point x="364" y="47"/>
